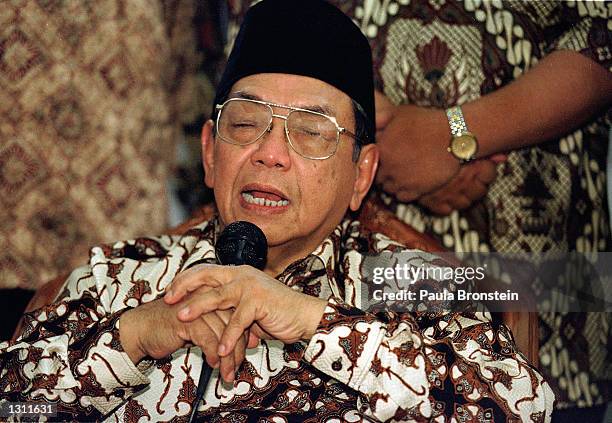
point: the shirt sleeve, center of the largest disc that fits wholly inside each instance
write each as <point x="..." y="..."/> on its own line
<point x="415" y="367"/>
<point x="586" y="30"/>
<point x="70" y="353"/>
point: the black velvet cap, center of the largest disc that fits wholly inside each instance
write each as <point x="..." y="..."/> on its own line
<point x="303" y="37"/>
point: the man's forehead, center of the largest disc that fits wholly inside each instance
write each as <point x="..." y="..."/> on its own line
<point x="315" y="107"/>
<point x="292" y="90"/>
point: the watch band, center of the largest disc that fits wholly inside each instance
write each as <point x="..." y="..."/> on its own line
<point x="463" y="144"/>
<point x="456" y="121"/>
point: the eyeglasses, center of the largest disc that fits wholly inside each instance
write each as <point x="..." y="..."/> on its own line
<point x="312" y="135"/>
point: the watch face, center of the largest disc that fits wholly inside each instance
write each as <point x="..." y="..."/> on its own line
<point x="464" y="146"/>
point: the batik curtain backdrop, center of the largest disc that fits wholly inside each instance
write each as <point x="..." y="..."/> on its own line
<point x="92" y="96"/>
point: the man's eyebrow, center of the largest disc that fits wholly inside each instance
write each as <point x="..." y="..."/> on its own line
<point x="246" y="95"/>
<point x="326" y="110"/>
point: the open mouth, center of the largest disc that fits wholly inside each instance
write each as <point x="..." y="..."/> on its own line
<point x="264" y="196"/>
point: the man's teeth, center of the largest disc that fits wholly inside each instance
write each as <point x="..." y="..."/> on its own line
<point x="249" y="198"/>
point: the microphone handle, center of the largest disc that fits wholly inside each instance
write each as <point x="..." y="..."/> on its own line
<point x="238" y="257"/>
<point x="205" y="374"/>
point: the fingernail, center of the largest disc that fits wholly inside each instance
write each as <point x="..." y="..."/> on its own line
<point x="221" y="350"/>
<point x="184" y="312"/>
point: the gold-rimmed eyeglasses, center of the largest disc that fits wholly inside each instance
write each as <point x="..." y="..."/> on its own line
<point x="313" y="135"/>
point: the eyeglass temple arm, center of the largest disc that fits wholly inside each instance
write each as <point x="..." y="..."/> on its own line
<point x="349" y="133"/>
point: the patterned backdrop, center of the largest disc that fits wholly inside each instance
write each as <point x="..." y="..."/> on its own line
<point x="89" y="121"/>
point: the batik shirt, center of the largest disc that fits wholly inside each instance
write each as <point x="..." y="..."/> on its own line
<point x="358" y="365"/>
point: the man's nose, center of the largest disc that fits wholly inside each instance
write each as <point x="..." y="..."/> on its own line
<point x="273" y="147"/>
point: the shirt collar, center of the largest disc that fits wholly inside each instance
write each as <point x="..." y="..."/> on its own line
<point x="324" y="258"/>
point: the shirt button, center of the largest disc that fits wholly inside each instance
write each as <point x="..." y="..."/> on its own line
<point x="337" y="365"/>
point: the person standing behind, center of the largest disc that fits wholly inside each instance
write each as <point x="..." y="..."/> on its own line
<point x="532" y="81"/>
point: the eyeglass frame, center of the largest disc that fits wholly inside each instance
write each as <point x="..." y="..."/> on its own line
<point x="339" y="129"/>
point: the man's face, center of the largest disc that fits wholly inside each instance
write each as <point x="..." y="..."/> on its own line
<point x="311" y="196"/>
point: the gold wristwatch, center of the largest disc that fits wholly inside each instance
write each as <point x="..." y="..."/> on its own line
<point x="463" y="144"/>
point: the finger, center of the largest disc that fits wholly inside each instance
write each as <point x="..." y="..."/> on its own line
<point x="227" y="366"/>
<point x="206" y="334"/>
<point x="442" y="208"/>
<point x="477" y="191"/>
<point x="464" y="174"/>
<point x="218" y="325"/>
<point x="245" y="342"/>
<point x="405" y="196"/>
<point x="204" y="301"/>
<point x="230" y="363"/>
<point x="460" y="202"/>
<point x="240" y="352"/>
<point x="258" y="332"/>
<point x="498" y="158"/>
<point x="192" y="279"/>
<point x="253" y="340"/>
<point x="486" y="172"/>
<point x="243" y="317"/>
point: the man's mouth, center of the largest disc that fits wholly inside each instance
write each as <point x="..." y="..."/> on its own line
<point x="263" y="196"/>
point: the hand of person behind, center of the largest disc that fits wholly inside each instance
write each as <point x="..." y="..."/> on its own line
<point x="409" y="168"/>
<point x="466" y="188"/>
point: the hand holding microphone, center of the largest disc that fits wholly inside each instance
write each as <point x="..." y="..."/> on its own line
<point x="240" y="243"/>
<point x="261" y="304"/>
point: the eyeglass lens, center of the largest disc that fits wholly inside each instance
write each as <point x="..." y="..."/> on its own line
<point x="311" y="135"/>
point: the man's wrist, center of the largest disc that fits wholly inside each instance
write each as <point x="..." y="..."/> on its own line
<point x="317" y="309"/>
<point x="129" y="336"/>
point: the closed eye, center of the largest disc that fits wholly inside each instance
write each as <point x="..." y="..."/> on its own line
<point x="309" y="132"/>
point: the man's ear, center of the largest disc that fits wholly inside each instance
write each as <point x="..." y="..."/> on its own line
<point x="208" y="153"/>
<point x="366" y="170"/>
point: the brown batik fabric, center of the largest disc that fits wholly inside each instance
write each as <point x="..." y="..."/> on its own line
<point x="88" y="125"/>
<point x="547" y="198"/>
<point x="358" y="365"/>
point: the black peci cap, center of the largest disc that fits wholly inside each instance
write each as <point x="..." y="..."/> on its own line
<point x="303" y="37"/>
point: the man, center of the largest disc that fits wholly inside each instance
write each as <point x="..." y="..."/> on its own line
<point x="290" y="151"/>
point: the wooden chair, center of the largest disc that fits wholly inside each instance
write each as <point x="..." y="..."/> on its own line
<point x="376" y="218"/>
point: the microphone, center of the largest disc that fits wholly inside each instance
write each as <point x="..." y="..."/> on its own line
<point x="239" y="243"/>
<point x="242" y="243"/>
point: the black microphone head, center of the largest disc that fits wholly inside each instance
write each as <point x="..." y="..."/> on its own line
<point x="242" y="243"/>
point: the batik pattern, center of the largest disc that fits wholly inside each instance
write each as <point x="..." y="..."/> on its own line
<point x="547" y="198"/>
<point x="358" y="364"/>
<point x="92" y="97"/>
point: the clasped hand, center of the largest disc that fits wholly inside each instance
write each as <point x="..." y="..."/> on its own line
<point x="222" y="309"/>
<point x="415" y="164"/>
